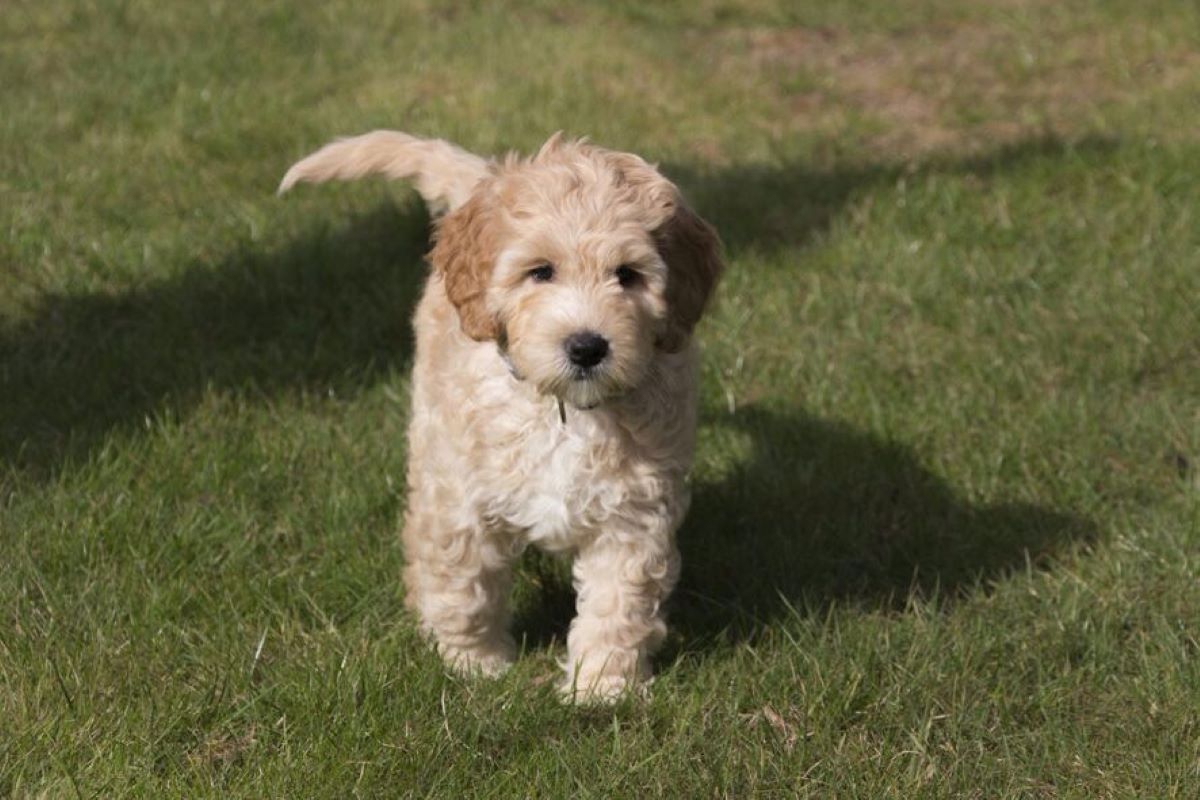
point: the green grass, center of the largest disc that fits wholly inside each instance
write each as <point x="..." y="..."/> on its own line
<point x="947" y="515"/>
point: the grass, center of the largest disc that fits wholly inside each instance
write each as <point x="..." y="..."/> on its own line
<point x="947" y="496"/>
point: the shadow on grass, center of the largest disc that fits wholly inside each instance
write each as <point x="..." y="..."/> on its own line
<point x="330" y="312"/>
<point x="820" y="513"/>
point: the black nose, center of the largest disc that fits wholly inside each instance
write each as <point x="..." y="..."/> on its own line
<point x="586" y="349"/>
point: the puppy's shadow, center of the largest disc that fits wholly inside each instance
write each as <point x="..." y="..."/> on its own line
<point x="812" y="512"/>
<point x="817" y="512"/>
<point x="328" y="312"/>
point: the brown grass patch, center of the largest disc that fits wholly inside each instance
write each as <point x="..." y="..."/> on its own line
<point x="958" y="86"/>
<point x="222" y="750"/>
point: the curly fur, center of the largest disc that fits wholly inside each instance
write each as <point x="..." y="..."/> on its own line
<point x="492" y="465"/>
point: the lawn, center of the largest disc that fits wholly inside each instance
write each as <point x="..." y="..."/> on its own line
<point x="946" y="533"/>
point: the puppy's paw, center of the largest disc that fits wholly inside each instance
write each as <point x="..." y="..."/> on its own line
<point x="491" y="661"/>
<point x="602" y="689"/>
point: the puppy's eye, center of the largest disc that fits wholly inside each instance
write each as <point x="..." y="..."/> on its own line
<point x="627" y="276"/>
<point x="542" y="274"/>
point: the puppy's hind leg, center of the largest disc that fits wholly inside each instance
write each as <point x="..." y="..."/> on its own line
<point x="458" y="579"/>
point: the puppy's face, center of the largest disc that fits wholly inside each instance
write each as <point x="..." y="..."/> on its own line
<point x="581" y="264"/>
<point x="580" y="300"/>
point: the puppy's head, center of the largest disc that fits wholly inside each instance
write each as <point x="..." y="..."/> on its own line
<point x="581" y="263"/>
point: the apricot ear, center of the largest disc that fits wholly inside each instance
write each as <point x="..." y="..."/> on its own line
<point x="692" y="251"/>
<point x="465" y="253"/>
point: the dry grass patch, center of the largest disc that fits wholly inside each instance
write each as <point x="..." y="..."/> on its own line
<point x="960" y="86"/>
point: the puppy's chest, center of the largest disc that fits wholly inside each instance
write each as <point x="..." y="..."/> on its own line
<point x="557" y="482"/>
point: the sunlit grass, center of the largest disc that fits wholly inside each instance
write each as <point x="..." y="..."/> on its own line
<point x="946" y="513"/>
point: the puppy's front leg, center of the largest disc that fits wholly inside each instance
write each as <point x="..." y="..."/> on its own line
<point x="621" y="581"/>
<point x="458" y="579"/>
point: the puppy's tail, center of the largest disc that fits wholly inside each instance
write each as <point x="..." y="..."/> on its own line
<point x="444" y="174"/>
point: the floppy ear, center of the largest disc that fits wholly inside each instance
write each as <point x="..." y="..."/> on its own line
<point x="686" y="242"/>
<point x="692" y="251"/>
<point x="464" y="255"/>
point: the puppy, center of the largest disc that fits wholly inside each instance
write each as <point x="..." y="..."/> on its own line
<point x="554" y="391"/>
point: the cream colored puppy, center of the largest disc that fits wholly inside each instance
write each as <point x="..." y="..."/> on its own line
<point x="554" y="391"/>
